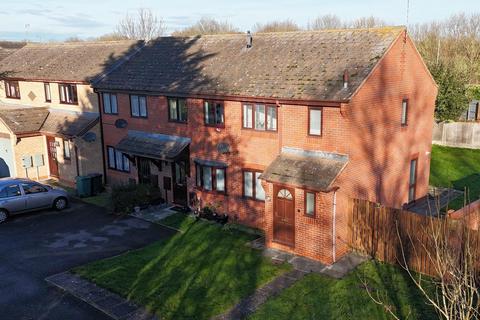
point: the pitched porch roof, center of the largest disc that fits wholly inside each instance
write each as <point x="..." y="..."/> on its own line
<point x="153" y="145"/>
<point x="26" y="120"/>
<point x="315" y="170"/>
<point x="69" y="124"/>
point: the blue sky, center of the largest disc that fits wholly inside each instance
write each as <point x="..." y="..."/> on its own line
<point x="56" y="20"/>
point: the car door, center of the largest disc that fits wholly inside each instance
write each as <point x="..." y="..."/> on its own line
<point x="12" y="199"/>
<point x="37" y="196"/>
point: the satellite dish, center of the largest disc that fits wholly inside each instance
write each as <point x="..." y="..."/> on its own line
<point x="223" y="147"/>
<point x="90" y="136"/>
<point x="121" y="123"/>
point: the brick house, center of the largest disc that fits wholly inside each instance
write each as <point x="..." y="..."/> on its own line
<point x="278" y="131"/>
<point x="49" y="118"/>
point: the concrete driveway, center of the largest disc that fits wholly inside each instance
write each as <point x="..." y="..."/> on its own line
<point x="37" y="245"/>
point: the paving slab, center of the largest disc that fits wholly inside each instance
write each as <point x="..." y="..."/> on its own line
<point x="107" y="302"/>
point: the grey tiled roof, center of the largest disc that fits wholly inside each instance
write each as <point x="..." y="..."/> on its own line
<point x="315" y="170"/>
<point x="9" y="47"/>
<point x="307" y="65"/>
<point x="75" y="61"/>
<point x="70" y="124"/>
<point x="23" y="120"/>
<point x="152" y="145"/>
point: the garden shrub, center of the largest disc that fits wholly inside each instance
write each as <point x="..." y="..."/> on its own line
<point x="126" y="197"/>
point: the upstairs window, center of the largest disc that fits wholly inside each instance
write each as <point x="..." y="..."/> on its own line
<point x="260" y="117"/>
<point x="252" y="186"/>
<point x="211" y="178"/>
<point x="315" y="121"/>
<point x="177" y="109"/>
<point x="110" y="103"/>
<point x="68" y="93"/>
<point x="214" y="113"/>
<point x="48" y="95"/>
<point x="138" y="106"/>
<point x="404" y="112"/>
<point x="12" y="89"/>
<point x="117" y="160"/>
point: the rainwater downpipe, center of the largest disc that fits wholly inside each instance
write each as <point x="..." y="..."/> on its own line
<point x="334" y="216"/>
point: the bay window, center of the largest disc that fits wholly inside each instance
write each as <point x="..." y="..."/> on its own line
<point x="211" y="178"/>
<point x="118" y="160"/>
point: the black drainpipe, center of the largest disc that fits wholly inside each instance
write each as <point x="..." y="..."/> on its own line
<point x="100" y="106"/>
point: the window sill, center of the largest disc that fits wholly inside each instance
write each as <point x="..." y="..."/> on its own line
<point x="116" y="170"/>
<point x="257" y="130"/>
<point x="138" y="117"/>
<point x="70" y="103"/>
<point x="252" y="199"/>
<point x="177" y="122"/>
<point x="222" y="193"/>
<point x="17" y="98"/>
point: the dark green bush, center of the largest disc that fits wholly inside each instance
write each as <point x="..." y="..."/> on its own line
<point x="128" y="196"/>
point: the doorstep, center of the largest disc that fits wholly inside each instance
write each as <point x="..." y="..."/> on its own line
<point x="101" y="299"/>
<point x="337" y="270"/>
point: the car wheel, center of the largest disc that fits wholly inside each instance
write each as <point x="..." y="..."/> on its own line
<point x="60" y="203"/>
<point x="3" y="215"/>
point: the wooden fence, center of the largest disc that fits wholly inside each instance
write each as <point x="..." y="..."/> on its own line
<point x="398" y="236"/>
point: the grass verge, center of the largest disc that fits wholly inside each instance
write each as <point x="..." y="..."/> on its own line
<point x="197" y="274"/>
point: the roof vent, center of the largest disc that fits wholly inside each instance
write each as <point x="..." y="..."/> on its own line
<point x="249" y="40"/>
<point x="346" y="79"/>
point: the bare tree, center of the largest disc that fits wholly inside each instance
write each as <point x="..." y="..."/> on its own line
<point x="207" y="26"/>
<point x="144" y="25"/>
<point x="367" y="22"/>
<point x="276" y="26"/>
<point x="111" y="37"/>
<point x="328" y="21"/>
<point x="453" y="252"/>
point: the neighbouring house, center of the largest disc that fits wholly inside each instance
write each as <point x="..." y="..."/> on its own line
<point x="49" y="113"/>
<point x="473" y="112"/>
<point x="9" y="47"/>
<point x="278" y="131"/>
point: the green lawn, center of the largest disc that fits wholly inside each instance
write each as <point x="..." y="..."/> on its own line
<point x="457" y="168"/>
<point x="197" y="274"/>
<point x="320" y="297"/>
<point x="102" y="200"/>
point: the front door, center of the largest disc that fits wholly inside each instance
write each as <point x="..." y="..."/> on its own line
<point x="179" y="176"/>
<point x="52" y="156"/>
<point x="144" y="172"/>
<point x="284" y="216"/>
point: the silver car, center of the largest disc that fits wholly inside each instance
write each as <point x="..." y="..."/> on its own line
<point x="23" y="195"/>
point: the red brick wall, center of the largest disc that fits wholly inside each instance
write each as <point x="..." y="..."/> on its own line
<point x="367" y="129"/>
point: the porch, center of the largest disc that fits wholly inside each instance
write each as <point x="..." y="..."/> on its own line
<point x="160" y="160"/>
<point x="301" y="204"/>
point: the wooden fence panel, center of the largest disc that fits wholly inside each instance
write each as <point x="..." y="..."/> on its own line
<point x="383" y="232"/>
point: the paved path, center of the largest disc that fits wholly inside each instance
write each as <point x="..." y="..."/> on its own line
<point x="35" y="246"/>
<point x="250" y="304"/>
<point x="109" y="303"/>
